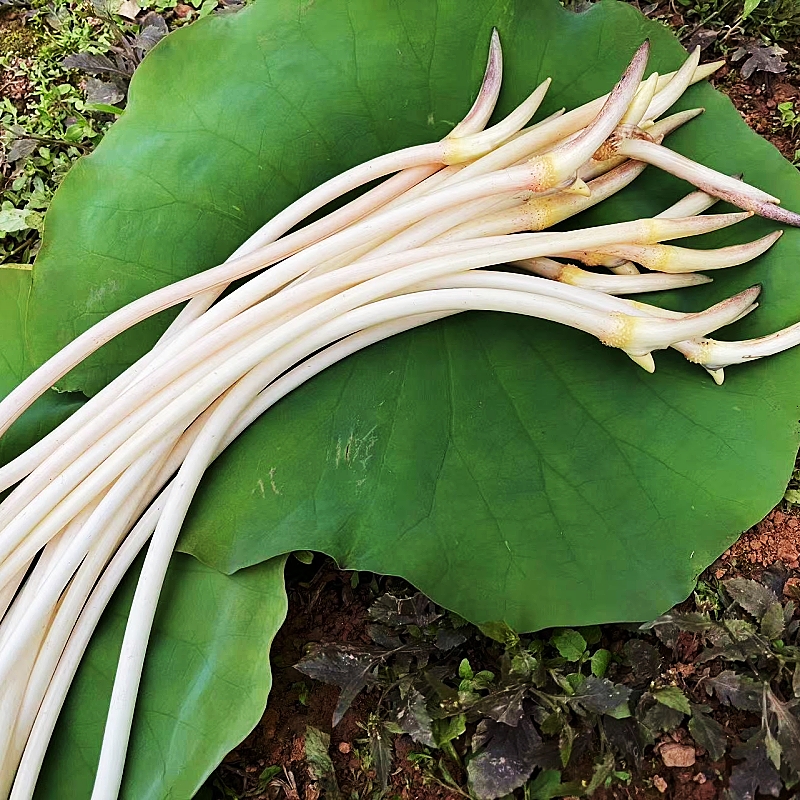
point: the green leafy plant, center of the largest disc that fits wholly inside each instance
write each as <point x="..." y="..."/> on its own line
<point x="790" y="118"/>
<point x="459" y="446"/>
<point x="730" y="21"/>
<point x="49" y="116"/>
<point x="538" y="701"/>
<point x="753" y="635"/>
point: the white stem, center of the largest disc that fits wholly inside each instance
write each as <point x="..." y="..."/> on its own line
<point x="410" y="159"/>
<point x="613" y="284"/>
<point x="36" y="578"/>
<point x="44" y="724"/>
<point x="110" y="518"/>
<point x="671" y="259"/>
<point x="482" y="253"/>
<point x="709" y="180"/>
<point x="673" y="91"/>
<point x="689" y="206"/>
<point x="641" y="101"/>
<point x="42" y="731"/>
<point x="66" y="617"/>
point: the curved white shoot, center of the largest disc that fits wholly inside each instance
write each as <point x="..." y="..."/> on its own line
<point x="671" y="259"/>
<point x="675" y="87"/>
<point x="710" y="181"/>
<point x="459" y="149"/>
<point x="715" y="355"/>
<point x="641" y="101"/>
<point x="565" y="160"/>
<point x="612" y="284"/>
<point x="641" y="335"/>
<point x="483" y="107"/>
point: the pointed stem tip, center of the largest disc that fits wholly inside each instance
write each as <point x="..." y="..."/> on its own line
<point x="483" y="107"/>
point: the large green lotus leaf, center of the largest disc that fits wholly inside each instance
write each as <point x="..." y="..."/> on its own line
<point x="509" y="468"/>
<point x="49" y="410"/>
<point x="204" y="687"/>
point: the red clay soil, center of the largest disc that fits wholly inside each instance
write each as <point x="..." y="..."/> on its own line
<point x="776" y="538"/>
<point x="757" y="101"/>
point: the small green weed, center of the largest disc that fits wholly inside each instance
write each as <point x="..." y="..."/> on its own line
<point x="789" y="117"/>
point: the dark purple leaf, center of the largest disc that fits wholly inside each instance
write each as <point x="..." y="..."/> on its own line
<point x="709" y="734"/>
<point x="756" y="774"/>
<point x="701" y="38"/>
<point x="505" y="757"/>
<point x="400" y="611"/>
<point x="754" y="598"/>
<point x="775" y="578"/>
<point x="380" y="748"/>
<point x="628" y="737"/>
<point x="98" y="91"/>
<point x="643" y="659"/>
<point x="448" y="638"/>
<point x="788" y="735"/>
<point x="736" y="690"/>
<point x="21" y="148"/>
<point x="600" y="695"/>
<point x="505" y="705"/>
<point x="414" y="719"/>
<point x="152" y="30"/>
<point x="737" y="642"/>
<point x="433" y="677"/>
<point x="690" y="623"/>
<point x="349" y="668"/>
<point x="93" y="64"/>
<point x="384" y="637"/>
<point x="764" y="58"/>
